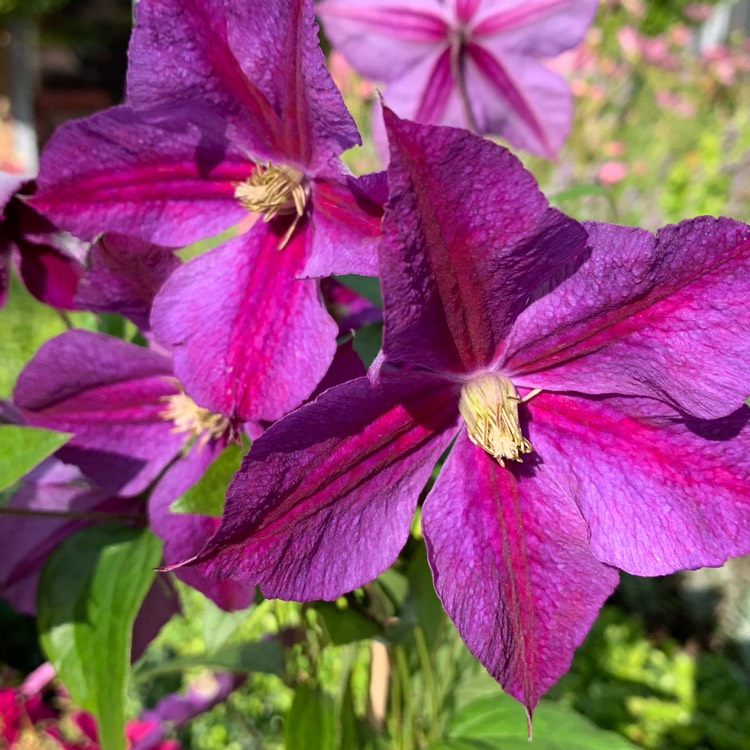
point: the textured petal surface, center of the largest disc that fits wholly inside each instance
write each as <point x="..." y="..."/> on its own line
<point x="663" y="316"/>
<point x="250" y="340"/>
<point x="124" y="276"/>
<point x="323" y="501"/>
<point x="110" y="395"/>
<point x="468" y="240"/>
<point x="166" y="176"/>
<point x="346" y="217"/>
<point x="511" y="563"/>
<point x="541" y="28"/>
<point x="259" y="61"/>
<point x="185" y="534"/>
<point x="659" y="492"/>
<point x="383" y="40"/>
<point x="27" y="540"/>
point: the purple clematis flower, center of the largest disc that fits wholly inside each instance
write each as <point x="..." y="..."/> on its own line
<point x="468" y="63"/>
<point x="596" y="423"/>
<point x="233" y="116"/>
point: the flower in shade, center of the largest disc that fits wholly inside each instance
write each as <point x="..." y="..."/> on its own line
<point x="590" y="380"/>
<point x="468" y="63"/>
<point x="233" y="118"/>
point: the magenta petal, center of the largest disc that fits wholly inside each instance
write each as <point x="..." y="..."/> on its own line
<point x="124" y="276"/>
<point x="323" y="501"/>
<point x="468" y="240"/>
<point x="186" y="534"/>
<point x="660" y="493"/>
<point x="49" y="274"/>
<point x="662" y="316"/>
<point x="158" y="176"/>
<point x="250" y="340"/>
<point x="4" y="274"/>
<point x="346" y="220"/>
<point x="110" y="394"/>
<point x="511" y="563"/>
<point x="383" y="40"/>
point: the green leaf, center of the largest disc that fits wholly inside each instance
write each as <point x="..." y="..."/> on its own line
<point x="501" y="722"/>
<point x="23" y="448"/>
<point x="219" y="626"/>
<point x="345" y="625"/>
<point x="367" y="342"/>
<point x="89" y="594"/>
<point x="206" y="496"/>
<point x="367" y="286"/>
<point x="203" y="246"/>
<point x="578" y="191"/>
<point x="251" y="656"/>
<point x="310" y="724"/>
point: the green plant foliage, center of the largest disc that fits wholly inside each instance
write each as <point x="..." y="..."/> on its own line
<point x="90" y="591"/>
<point x="344" y="624"/>
<point x="311" y="721"/>
<point x="23" y="448"/>
<point x="30" y="7"/>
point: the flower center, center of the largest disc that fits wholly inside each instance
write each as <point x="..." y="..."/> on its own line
<point x="489" y="406"/>
<point x="198" y="422"/>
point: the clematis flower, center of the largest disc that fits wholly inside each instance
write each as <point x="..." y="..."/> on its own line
<point x="468" y="63"/>
<point x="594" y="423"/>
<point x="232" y="117"/>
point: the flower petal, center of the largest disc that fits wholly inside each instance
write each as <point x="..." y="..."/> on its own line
<point x="662" y="316"/>
<point x="124" y="276"/>
<point x="346" y="216"/>
<point x="538" y="28"/>
<point x="510" y="558"/>
<point x="468" y="240"/>
<point x="110" y="395"/>
<point x="250" y="340"/>
<point x="659" y="492"/>
<point x="383" y="40"/>
<point x="185" y="534"/>
<point x="323" y="501"/>
<point x="158" y="176"/>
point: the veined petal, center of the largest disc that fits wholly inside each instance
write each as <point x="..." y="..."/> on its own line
<point x="185" y="534"/>
<point x="346" y="217"/>
<point x="510" y="558"/>
<point x="110" y="395"/>
<point x="518" y="98"/>
<point x="124" y="276"/>
<point x="542" y="28"/>
<point x="659" y="492"/>
<point x="664" y="316"/>
<point x="166" y="176"/>
<point x="383" y="40"/>
<point x="250" y="340"/>
<point x="323" y="501"/>
<point x="468" y="240"/>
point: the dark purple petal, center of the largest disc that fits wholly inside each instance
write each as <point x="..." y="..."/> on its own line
<point x="49" y="274"/>
<point x="160" y="604"/>
<point x="124" y="276"/>
<point x="258" y="61"/>
<point x="346" y="217"/>
<point x="250" y="340"/>
<point x="509" y="554"/>
<point x="349" y="309"/>
<point x="166" y="176"/>
<point x="111" y="395"/>
<point x="659" y="492"/>
<point x="520" y="99"/>
<point x="346" y="366"/>
<point x="538" y="28"/>
<point x="185" y="534"/>
<point x="26" y="540"/>
<point x="663" y="316"/>
<point x="468" y="240"/>
<point x="323" y="501"/>
<point x="4" y="274"/>
<point x="383" y="40"/>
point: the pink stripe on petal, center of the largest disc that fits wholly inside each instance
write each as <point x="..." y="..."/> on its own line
<point x="527" y="13"/>
<point x="494" y="72"/>
<point x="397" y="22"/>
<point x="465" y="9"/>
<point x="437" y="92"/>
<point x="512" y="567"/>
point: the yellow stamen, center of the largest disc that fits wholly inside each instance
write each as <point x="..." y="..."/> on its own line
<point x="275" y="190"/>
<point x="198" y="422"/>
<point x="489" y="406"/>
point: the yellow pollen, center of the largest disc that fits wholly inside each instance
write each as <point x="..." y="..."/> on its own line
<point x="489" y="406"/>
<point x="198" y="422"/>
<point x="275" y="190"/>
